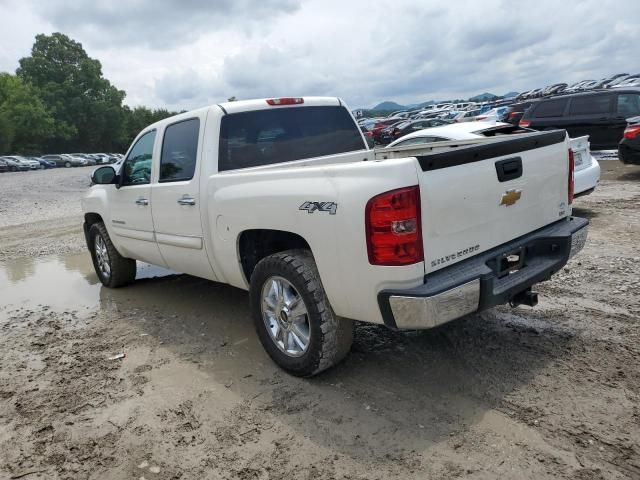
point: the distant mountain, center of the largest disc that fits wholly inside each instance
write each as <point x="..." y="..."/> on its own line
<point x="388" y="106"/>
<point x="483" y="97"/>
<point x="511" y="94"/>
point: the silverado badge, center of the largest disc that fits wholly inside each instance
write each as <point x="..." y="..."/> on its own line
<point x="510" y="197"/>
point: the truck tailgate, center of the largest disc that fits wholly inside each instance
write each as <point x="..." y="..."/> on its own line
<point x="478" y="197"/>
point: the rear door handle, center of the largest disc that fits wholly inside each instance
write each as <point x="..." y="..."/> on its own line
<point x="187" y="200"/>
<point x="142" y="201"/>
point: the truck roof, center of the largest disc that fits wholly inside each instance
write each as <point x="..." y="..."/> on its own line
<point x="250" y="105"/>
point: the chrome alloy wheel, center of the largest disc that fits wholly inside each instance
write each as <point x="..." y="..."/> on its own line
<point x="102" y="256"/>
<point x="285" y="316"/>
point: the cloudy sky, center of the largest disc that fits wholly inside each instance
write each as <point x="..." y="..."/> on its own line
<point x="187" y="53"/>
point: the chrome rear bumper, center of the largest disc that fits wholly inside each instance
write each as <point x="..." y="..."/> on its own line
<point x="477" y="284"/>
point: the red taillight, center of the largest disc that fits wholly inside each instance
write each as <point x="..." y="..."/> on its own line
<point x="632" y="131"/>
<point x="285" y="101"/>
<point x="512" y="115"/>
<point x="394" y="228"/>
<point x="571" y="180"/>
<point x="525" y="123"/>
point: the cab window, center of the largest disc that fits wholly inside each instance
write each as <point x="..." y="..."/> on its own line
<point x="137" y="166"/>
<point x="179" y="150"/>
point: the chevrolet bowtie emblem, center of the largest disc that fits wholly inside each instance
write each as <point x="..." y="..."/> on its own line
<point x="510" y="197"/>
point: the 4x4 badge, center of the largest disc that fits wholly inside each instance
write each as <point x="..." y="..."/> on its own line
<point x="310" y="207"/>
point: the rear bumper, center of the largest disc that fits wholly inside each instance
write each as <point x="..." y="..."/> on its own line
<point x="475" y="284"/>
<point x="587" y="179"/>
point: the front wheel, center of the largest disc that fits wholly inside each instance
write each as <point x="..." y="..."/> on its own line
<point x="67" y="164"/>
<point x="112" y="269"/>
<point x="293" y="318"/>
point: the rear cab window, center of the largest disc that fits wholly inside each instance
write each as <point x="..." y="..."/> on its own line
<point x="266" y="137"/>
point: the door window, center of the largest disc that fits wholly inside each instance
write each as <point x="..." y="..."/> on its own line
<point x="551" y="108"/>
<point x="179" y="151"/>
<point x="590" y="105"/>
<point x="137" y="167"/>
<point x="629" y="104"/>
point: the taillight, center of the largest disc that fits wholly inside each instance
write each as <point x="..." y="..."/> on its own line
<point x="394" y="228"/>
<point x="632" y="131"/>
<point x="285" y="101"/>
<point x="525" y="123"/>
<point x="512" y="115"/>
<point x="571" y="180"/>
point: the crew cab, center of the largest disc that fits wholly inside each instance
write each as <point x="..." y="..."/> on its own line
<point x="283" y="198"/>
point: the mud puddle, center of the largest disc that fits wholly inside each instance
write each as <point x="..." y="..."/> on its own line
<point x="59" y="282"/>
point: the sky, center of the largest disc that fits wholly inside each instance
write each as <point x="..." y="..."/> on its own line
<point x="188" y="53"/>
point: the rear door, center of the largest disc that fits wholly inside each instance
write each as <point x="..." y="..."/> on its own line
<point x="176" y="199"/>
<point x="591" y="115"/>
<point x="476" y="198"/>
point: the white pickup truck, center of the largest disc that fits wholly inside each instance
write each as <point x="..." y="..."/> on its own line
<point x="282" y="197"/>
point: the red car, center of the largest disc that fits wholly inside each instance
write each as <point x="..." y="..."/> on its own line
<point x="379" y="126"/>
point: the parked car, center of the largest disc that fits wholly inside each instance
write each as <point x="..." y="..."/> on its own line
<point x="494" y="115"/>
<point x="16" y="165"/>
<point x="33" y="164"/>
<point x="4" y="167"/>
<point x="64" y="160"/>
<point x="283" y="204"/>
<point x="21" y="163"/>
<point x="44" y="164"/>
<point x="629" y="147"/>
<point x="586" y="168"/>
<point x="401" y="129"/>
<point x="379" y="126"/>
<point x="600" y="114"/>
<point x="468" y="116"/>
<point x="514" y="112"/>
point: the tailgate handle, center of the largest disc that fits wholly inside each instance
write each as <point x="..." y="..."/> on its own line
<point x="509" y="169"/>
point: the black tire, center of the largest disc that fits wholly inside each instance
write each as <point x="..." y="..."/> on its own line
<point x="67" y="164"/>
<point x="122" y="270"/>
<point x="14" y="169"/>
<point x="330" y="336"/>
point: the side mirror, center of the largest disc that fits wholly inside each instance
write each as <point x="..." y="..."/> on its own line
<point x="104" y="176"/>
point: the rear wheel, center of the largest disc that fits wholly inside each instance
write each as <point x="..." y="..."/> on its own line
<point x="112" y="269"/>
<point x="292" y="315"/>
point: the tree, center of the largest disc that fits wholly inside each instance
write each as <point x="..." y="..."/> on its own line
<point x="25" y="123"/>
<point x="87" y="109"/>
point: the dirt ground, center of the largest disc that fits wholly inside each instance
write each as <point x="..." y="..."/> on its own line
<point x="550" y="392"/>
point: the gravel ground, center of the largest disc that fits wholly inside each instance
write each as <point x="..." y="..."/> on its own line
<point x="550" y="392"/>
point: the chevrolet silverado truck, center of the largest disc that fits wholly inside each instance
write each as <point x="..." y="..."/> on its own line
<point x="283" y="198"/>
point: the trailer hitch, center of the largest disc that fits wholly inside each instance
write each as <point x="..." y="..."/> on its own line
<point x="526" y="297"/>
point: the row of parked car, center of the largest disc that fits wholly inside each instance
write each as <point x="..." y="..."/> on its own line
<point x="619" y="80"/>
<point x="21" y="163"/>
<point x="609" y="116"/>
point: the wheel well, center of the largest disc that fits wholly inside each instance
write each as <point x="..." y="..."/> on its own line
<point x="254" y="245"/>
<point x="89" y="220"/>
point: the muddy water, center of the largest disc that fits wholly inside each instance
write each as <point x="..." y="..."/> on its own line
<point x="59" y="282"/>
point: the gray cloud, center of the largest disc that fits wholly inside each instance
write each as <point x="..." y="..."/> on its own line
<point x="160" y="23"/>
<point x="188" y="54"/>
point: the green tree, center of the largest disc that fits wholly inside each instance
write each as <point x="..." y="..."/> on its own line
<point x="25" y="123"/>
<point x="87" y="109"/>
